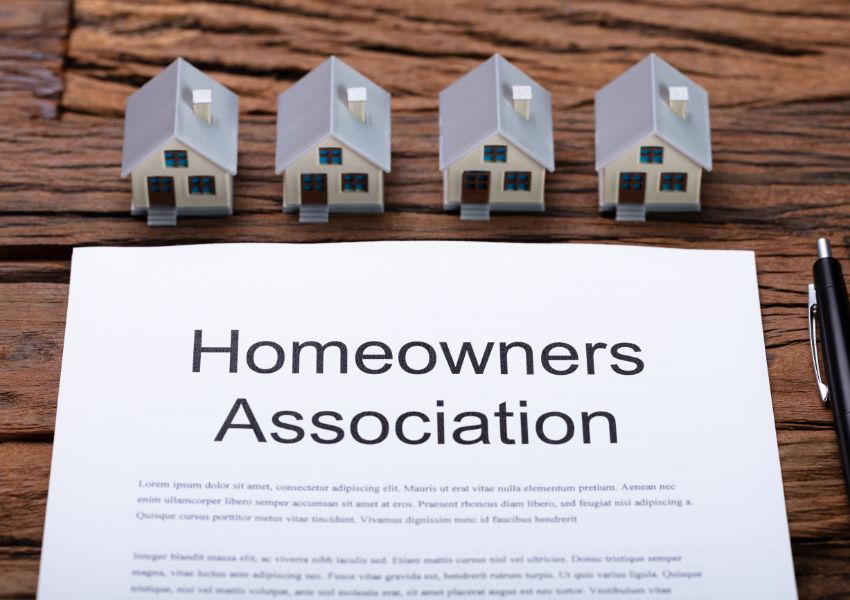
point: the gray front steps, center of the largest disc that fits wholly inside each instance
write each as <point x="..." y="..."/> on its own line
<point x="474" y="212"/>
<point x="159" y="216"/>
<point x="630" y="212"/>
<point x="313" y="213"/>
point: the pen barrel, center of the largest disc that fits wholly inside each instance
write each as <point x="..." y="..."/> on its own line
<point x="834" y="322"/>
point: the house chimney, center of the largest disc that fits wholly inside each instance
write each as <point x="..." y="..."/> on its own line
<point x="356" y="97"/>
<point x="522" y="100"/>
<point x="202" y="104"/>
<point x="678" y="100"/>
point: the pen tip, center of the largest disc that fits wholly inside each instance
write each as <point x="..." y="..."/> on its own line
<point x="824" y="249"/>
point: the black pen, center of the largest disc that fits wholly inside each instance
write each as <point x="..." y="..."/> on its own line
<point x="828" y="303"/>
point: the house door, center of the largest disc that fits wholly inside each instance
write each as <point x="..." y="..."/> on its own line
<point x="161" y="192"/>
<point x="632" y="188"/>
<point x="314" y="188"/>
<point x="476" y="187"/>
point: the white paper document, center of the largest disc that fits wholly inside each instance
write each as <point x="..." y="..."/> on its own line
<point x="414" y="420"/>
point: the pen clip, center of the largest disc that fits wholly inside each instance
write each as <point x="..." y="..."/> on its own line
<point x="813" y="342"/>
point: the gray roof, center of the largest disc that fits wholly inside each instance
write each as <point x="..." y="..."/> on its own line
<point x="479" y="105"/>
<point x="634" y="106"/>
<point x="161" y="110"/>
<point x="316" y="107"/>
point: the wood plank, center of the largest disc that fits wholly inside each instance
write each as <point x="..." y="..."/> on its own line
<point x="31" y="271"/>
<point x="33" y="324"/>
<point x="815" y="495"/>
<point x="822" y="570"/>
<point x="32" y="46"/>
<point x="23" y="480"/>
<point x="24" y="472"/>
<point x="19" y="566"/>
<point x="776" y="71"/>
<point x="776" y="182"/>
<point x="746" y="57"/>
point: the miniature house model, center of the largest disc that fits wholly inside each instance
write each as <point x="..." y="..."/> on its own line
<point x="495" y="141"/>
<point x="180" y="145"/>
<point x="333" y="143"/>
<point x="653" y="141"/>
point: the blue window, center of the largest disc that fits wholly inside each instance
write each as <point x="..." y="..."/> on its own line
<point x="674" y="182"/>
<point x="202" y="184"/>
<point x="496" y="154"/>
<point x="330" y="156"/>
<point x="160" y="185"/>
<point x="313" y="182"/>
<point x="176" y="158"/>
<point x="652" y="154"/>
<point x="355" y="182"/>
<point x="632" y="182"/>
<point x="517" y="181"/>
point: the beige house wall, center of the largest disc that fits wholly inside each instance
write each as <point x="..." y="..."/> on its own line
<point x="517" y="160"/>
<point x="674" y="162"/>
<point x="154" y="166"/>
<point x="352" y="162"/>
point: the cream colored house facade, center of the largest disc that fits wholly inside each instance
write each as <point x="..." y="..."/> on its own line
<point x="496" y="141"/>
<point x="354" y="185"/>
<point x="514" y="185"/>
<point x="180" y="146"/>
<point x="333" y="143"/>
<point x="653" y="141"/>
<point x="200" y="188"/>
<point x="673" y="184"/>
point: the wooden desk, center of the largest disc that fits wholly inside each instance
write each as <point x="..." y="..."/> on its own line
<point x="778" y="75"/>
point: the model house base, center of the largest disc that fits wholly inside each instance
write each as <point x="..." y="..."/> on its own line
<point x="320" y="213"/>
<point x="481" y="212"/>
<point x="637" y="212"/>
<point x="167" y="216"/>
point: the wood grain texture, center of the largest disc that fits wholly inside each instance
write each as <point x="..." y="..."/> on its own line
<point x="416" y="48"/>
<point x="778" y="72"/>
<point x="32" y="50"/>
<point x="23" y="485"/>
<point x="33" y="317"/>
